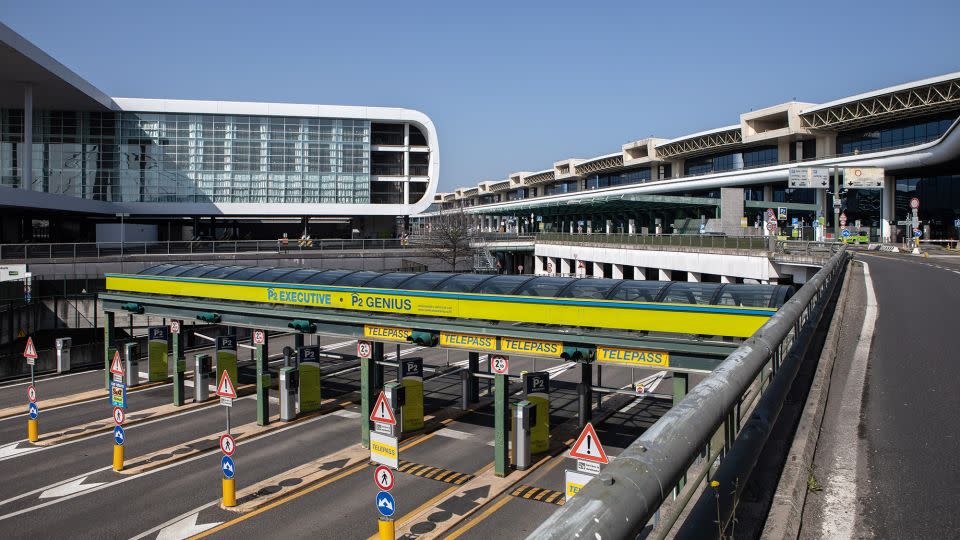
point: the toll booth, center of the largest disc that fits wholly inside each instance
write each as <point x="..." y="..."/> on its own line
<point x="289" y="384"/>
<point x="131" y="356"/>
<point x="308" y="361"/>
<point x="411" y="377"/>
<point x="63" y="354"/>
<point x="227" y="357"/>
<point x="536" y="390"/>
<point x="202" y="377"/>
<point x="157" y="345"/>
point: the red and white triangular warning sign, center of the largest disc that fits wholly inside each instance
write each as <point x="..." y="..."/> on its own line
<point x="116" y="366"/>
<point x="382" y="412"/>
<point x="225" y="388"/>
<point x="588" y="446"/>
<point x="30" y="351"/>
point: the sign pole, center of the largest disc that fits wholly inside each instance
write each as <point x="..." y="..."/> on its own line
<point x="499" y="365"/>
<point x="227" y="392"/>
<point x="836" y="203"/>
<point x="33" y="425"/>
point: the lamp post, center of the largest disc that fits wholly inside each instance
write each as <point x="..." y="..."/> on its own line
<point x="121" y="216"/>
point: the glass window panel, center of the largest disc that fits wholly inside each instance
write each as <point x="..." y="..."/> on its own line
<point x="543" y="286"/>
<point x="464" y="282"/>
<point x="389" y="281"/>
<point x="745" y="295"/>
<point x="690" y="293"/>
<point x="501" y="285"/>
<point x="356" y="279"/>
<point x="637" y="291"/>
<point x="591" y="288"/>
<point x="326" y="278"/>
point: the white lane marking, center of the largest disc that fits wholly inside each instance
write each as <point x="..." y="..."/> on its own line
<point x="184" y="528"/>
<point x="54" y="378"/>
<point x="13" y="449"/>
<point x="453" y="434"/>
<point x="650" y="384"/>
<point x="344" y="413"/>
<point x="161" y="527"/>
<point x="840" y="508"/>
<point x="51" y="486"/>
<point x="101" y="433"/>
<point x="69" y="488"/>
<point x="153" y="471"/>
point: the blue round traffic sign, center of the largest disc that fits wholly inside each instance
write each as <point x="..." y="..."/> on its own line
<point x="385" y="504"/>
<point x="34" y="411"/>
<point x="845" y="232"/>
<point x="917" y="233"/>
<point x="119" y="436"/>
<point x="228" y="467"/>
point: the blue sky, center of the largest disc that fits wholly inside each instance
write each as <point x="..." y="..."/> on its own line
<point x="511" y="86"/>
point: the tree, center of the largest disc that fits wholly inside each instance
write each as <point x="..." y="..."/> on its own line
<point x="450" y="237"/>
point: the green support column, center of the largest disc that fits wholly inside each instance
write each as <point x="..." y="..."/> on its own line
<point x="108" y="349"/>
<point x="261" y="358"/>
<point x="179" y="364"/>
<point x="369" y="389"/>
<point x="680" y="381"/>
<point x="501" y="424"/>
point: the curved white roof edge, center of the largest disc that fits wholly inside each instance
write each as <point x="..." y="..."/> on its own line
<point x="883" y="91"/>
<point x="943" y="149"/>
<point x="701" y="133"/>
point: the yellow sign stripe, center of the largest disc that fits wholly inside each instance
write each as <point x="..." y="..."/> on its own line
<point x="387" y="333"/>
<point x="677" y="318"/>
<point x="531" y="347"/>
<point x="634" y="357"/>
<point x="468" y="341"/>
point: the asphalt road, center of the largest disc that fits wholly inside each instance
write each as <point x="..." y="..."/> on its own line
<point x="70" y="488"/>
<point x="898" y="458"/>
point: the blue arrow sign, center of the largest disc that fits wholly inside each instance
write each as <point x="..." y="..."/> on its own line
<point x="118" y="435"/>
<point x="385" y="504"/>
<point x="34" y="411"/>
<point x="845" y="232"/>
<point x="918" y="233"/>
<point x="228" y="467"/>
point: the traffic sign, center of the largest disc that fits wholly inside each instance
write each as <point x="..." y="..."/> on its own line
<point x="771" y="226"/>
<point x="383" y="477"/>
<point x="499" y="364"/>
<point x="914" y="204"/>
<point x="227" y="444"/>
<point x="225" y="388"/>
<point x="382" y="412"/>
<point x="30" y="351"/>
<point x="588" y="467"/>
<point x="34" y="411"/>
<point x="588" y="446"/>
<point x="917" y="233"/>
<point x="385" y="504"/>
<point x="259" y="337"/>
<point x="32" y="393"/>
<point x="845" y="233"/>
<point x="116" y="366"/>
<point x="809" y="177"/>
<point x="119" y="416"/>
<point x="364" y="349"/>
<point x="118" y="394"/>
<point x="384" y="450"/>
<point x="228" y="467"/>
<point x="574" y="482"/>
<point x="118" y="436"/>
<point x="863" y="177"/>
<point x="174" y="327"/>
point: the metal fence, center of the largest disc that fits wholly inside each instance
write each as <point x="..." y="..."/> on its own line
<point x="704" y="438"/>
<point x="27" y="252"/>
<point x="661" y="240"/>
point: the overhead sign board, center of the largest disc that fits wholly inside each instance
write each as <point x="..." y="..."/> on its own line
<point x="468" y="341"/>
<point x="382" y="412"/>
<point x="809" y="177"/>
<point x="531" y="347"/>
<point x="385" y="450"/>
<point x="383" y="477"/>
<point x="386" y="333"/>
<point x="574" y="482"/>
<point x="588" y="446"/>
<point x="633" y="357"/>
<point x="499" y="364"/>
<point x="863" y="177"/>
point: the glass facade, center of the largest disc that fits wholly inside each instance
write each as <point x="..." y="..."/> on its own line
<point x="907" y="133"/>
<point x="939" y="202"/>
<point x="190" y="158"/>
<point x="635" y="176"/>
<point x="731" y="161"/>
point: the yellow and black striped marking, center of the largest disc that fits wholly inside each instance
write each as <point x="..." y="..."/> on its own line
<point x="435" y="473"/>
<point x="534" y="493"/>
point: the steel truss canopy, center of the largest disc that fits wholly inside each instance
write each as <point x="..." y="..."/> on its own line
<point x="604" y="163"/>
<point x="700" y="143"/>
<point x="927" y="96"/>
<point x="625" y="201"/>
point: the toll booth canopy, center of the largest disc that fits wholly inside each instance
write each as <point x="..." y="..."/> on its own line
<point x="735" y="310"/>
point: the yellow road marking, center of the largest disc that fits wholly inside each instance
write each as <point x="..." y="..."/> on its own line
<point x="504" y="499"/>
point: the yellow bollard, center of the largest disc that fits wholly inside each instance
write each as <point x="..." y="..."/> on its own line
<point x="386" y="529"/>
<point x="33" y="430"/>
<point x="229" y="492"/>
<point x="117" y="457"/>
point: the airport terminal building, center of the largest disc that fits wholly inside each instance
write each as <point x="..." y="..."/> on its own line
<point x="724" y="180"/>
<point x="74" y="160"/>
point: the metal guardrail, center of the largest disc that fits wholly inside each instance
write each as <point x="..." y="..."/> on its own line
<point x="26" y="252"/>
<point x="760" y="243"/>
<point x="698" y="433"/>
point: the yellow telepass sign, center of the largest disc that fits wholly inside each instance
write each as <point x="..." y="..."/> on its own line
<point x="634" y="357"/>
<point x="388" y="333"/>
<point x="531" y="346"/>
<point x="383" y="449"/>
<point x="468" y="341"/>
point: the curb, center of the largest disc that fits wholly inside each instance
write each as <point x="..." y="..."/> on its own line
<point x="786" y="510"/>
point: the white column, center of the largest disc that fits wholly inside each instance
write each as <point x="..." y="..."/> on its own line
<point x="565" y="266"/>
<point x="618" y="271"/>
<point x="609" y="226"/>
<point x="888" y="216"/>
<point x="693" y="277"/>
<point x="538" y="265"/>
<point x="640" y="273"/>
<point x="632" y="226"/>
<point x="597" y="270"/>
<point x="663" y="275"/>
<point x="589" y="226"/>
<point x="728" y="279"/>
<point x="26" y="169"/>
